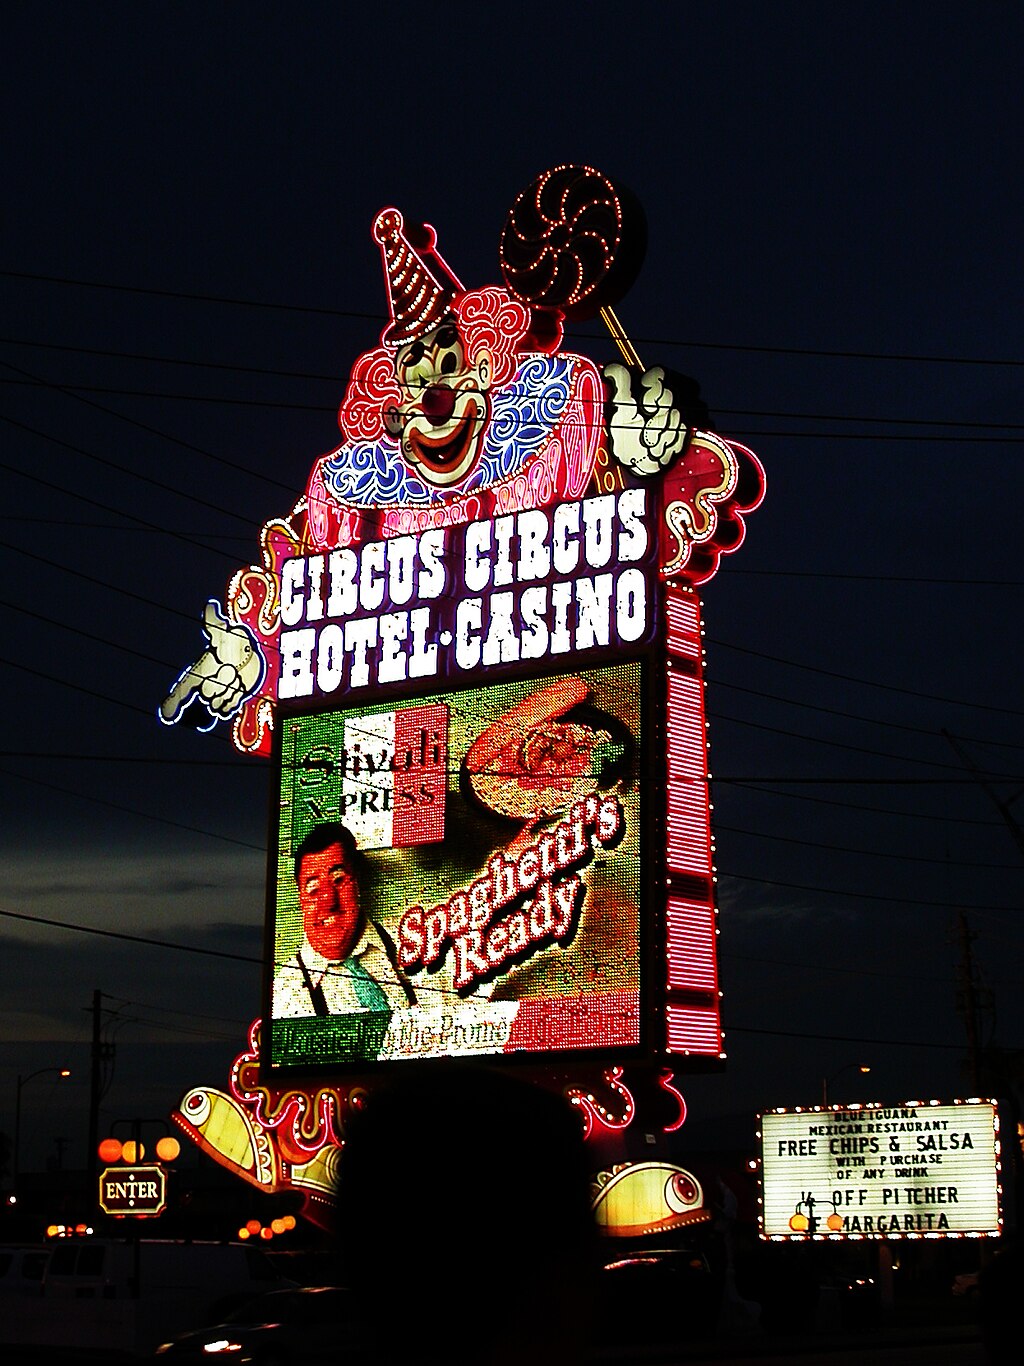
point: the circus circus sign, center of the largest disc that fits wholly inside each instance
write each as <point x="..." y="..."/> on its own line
<point x="472" y="650"/>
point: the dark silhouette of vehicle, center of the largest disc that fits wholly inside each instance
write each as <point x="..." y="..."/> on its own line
<point x="657" y="1295"/>
<point x="306" y="1325"/>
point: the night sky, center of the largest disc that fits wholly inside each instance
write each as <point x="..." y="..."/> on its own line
<point x="834" y="205"/>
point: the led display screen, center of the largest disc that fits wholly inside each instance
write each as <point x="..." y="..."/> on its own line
<point x="460" y="873"/>
<point x="909" y="1171"/>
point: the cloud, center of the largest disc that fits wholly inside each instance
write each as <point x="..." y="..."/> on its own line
<point x="174" y="1019"/>
<point x="114" y="886"/>
<point x="170" y="1018"/>
<point x="741" y="903"/>
<point x="142" y="894"/>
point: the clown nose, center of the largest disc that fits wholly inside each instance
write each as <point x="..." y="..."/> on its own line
<point x="438" y="403"/>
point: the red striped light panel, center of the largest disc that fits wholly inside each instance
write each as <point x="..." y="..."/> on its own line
<point x="682" y="619"/>
<point x="689" y="827"/>
<point x="694" y="1029"/>
<point x="693" y="1022"/>
<point x="691" y="929"/>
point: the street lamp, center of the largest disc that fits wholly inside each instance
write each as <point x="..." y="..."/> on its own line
<point x="826" y="1082"/>
<point x="22" y="1082"/>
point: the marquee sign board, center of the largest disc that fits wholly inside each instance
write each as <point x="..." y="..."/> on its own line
<point x="473" y="651"/>
<point x="139" y="1191"/>
<point x="868" y="1171"/>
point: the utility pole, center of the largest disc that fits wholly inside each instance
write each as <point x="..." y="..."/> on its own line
<point x="95" y="1073"/>
<point x="102" y="1051"/>
<point x="1002" y="807"/>
<point x="967" y="1000"/>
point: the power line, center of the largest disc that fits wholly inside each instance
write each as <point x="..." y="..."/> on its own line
<point x="141" y="523"/>
<point x="87" y="635"/>
<point x="329" y="409"/>
<point x="827" y="891"/>
<point x="748" y="432"/>
<point x="133" y="811"/>
<point x="865" y="682"/>
<point x="345" y="379"/>
<point x="176" y="1028"/>
<point x="76" y="390"/>
<point x="148" y="358"/>
<point x="189" y="1014"/>
<point x="957" y="423"/>
<point x="129" y="938"/>
<point x="921" y="359"/>
<point x="855" y="806"/>
<point x="888" y="579"/>
<point x="223" y="511"/>
<point x="844" y="1038"/>
<point x="121" y="469"/>
<point x="718" y="643"/>
<point x="746" y="780"/>
<point x="839" y="744"/>
<point x="245" y="958"/>
<point x="756" y="725"/>
<point x="239" y="763"/>
<point x="77" y="573"/>
<point x="726" y="956"/>
<point x="76" y="687"/>
<point x="823" y="575"/>
<point x="245" y="470"/>
<point x="187" y="297"/>
<point x="735" y="687"/>
<point x="79" y="524"/>
<point x="423" y="988"/>
<point x="64" y="756"/>
<point x="845" y="894"/>
<point x="854" y="716"/>
<point x="714" y="714"/>
<point x="901" y="857"/>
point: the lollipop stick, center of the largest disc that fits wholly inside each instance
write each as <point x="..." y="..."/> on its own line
<point x="619" y="337"/>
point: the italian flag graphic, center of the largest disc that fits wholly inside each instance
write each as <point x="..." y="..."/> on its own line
<point x="395" y="766"/>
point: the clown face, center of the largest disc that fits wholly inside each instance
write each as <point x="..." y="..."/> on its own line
<point x="444" y="407"/>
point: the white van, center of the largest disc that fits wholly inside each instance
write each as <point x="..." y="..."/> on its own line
<point x="21" y="1269"/>
<point x="220" y="1275"/>
<point x="110" y="1293"/>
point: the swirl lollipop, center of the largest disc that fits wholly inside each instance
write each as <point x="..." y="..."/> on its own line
<point x="575" y="241"/>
